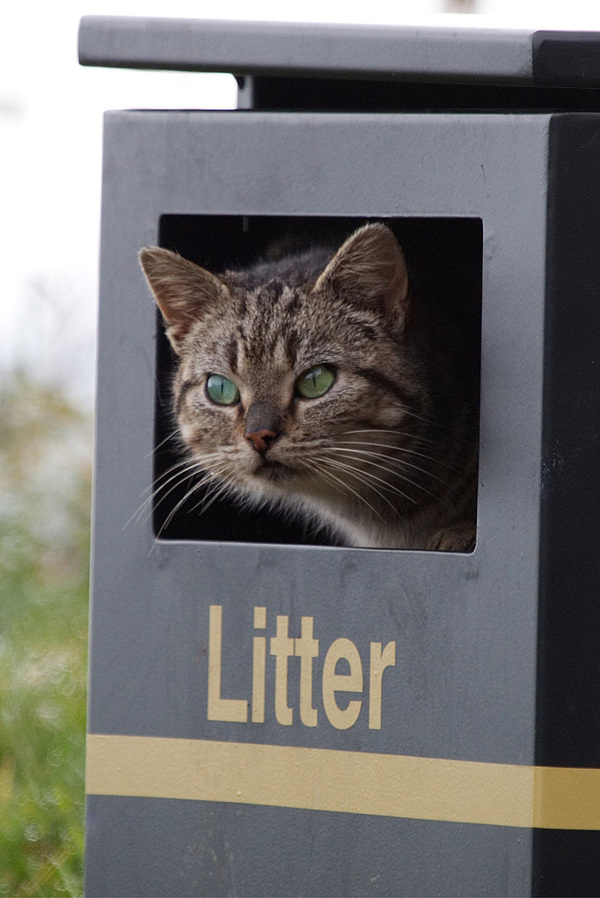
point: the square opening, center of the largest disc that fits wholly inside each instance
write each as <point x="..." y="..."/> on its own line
<point x="444" y="259"/>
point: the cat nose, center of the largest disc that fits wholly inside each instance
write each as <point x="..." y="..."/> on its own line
<point x="262" y="425"/>
<point x="261" y="439"/>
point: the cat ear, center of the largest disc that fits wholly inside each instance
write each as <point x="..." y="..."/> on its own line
<point x="181" y="289"/>
<point x="369" y="269"/>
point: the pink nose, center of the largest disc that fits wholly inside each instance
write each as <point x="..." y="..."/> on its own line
<point x="261" y="439"/>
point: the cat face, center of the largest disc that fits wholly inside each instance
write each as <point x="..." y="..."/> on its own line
<point x="282" y="382"/>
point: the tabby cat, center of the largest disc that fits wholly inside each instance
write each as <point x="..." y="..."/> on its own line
<point x="318" y="383"/>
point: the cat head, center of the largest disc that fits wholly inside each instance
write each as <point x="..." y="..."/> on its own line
<point x="276" y="374"/>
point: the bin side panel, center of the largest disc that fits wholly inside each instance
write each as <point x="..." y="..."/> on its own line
<point x="569" y="659"/>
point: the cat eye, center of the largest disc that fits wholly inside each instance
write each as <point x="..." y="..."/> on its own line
<point x="315" y="382"/>
<point x="221" y="391"/>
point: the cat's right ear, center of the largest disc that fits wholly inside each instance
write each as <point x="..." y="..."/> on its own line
<point x="182" y="290"/>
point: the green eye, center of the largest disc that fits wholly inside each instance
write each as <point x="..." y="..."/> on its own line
<point x="221" y="391"/>
<point x="315" y="382"/>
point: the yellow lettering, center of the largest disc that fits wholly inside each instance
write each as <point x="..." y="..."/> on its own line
<point x="342" y="718"/>
<point x="231" y="709"/>
<point x="307" y="649"/>
<point x="259" y="661"/>
<point x="282" y="646"/>
<point x="342" y="671"/>
<point x="379" y="661"/>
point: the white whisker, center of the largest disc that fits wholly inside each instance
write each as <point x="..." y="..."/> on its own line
<point x="186" y="470"/>
<point x="395" y="463"/>
<point x="326" y="472"/>
<point x="219" y="489"/>
<point x="170" y="436"/>
<point x="174" y="477"/>
<point x="387" y="470"/>
<point x="366" y="476"/>
<point x="403" y="449"/>
<point x="394" y="433"/>
<point x="194" y="489"/>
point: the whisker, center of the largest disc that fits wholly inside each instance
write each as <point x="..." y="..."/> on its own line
<point x="221" y="488"/>
<point x="175" y="475"/>
<point x="186" y="462"/>
<point x="180" y="464"/>
<point x="396" y="463"/>
<point x="186" y="470"/>
<point x="213" y="480"/>
<point x="326" y="472"/>
<point x="403" y="434"/>
<point x="194" y="489"/>
<point x="360" y="475"/>
<point x="178" y="471"/>
<point x="187" y="476"/>
<point x="402" y="449"/>
<point x="171" y="435"/>
<point x="385" y="468"/>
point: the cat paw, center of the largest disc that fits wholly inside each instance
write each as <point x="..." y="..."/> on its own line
<point x="455" y="539"/>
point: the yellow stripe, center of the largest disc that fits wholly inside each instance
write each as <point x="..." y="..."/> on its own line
<point x="346" y="781"/>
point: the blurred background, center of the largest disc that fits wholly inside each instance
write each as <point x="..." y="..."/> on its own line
<point x="50" y="151"/>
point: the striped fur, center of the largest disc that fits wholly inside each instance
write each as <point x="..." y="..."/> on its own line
<point x="387" y="458"/>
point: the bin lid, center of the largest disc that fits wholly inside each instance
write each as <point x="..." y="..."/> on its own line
<point x="385" y="53"/>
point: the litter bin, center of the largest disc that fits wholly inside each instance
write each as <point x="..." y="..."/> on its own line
<point x="272" y="712"/>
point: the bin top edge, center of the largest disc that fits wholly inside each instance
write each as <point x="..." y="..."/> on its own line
<point x="386" y="53"/>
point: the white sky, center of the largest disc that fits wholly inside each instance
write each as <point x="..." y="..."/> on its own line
<point x="50" y="146"/>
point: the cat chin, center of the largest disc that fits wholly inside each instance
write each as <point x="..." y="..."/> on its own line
<point x="271" y="484"/>
<point x="273" y="472"/>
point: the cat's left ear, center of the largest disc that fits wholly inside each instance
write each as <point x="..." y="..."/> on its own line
<point x="370" y="270"/>
<point x="182" y="290"/>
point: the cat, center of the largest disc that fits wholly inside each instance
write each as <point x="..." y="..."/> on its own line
<point x="320" y="383"/>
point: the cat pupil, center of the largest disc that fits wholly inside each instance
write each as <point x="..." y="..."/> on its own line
<point x="221" y="390"/>
<point x="315" y="382"/>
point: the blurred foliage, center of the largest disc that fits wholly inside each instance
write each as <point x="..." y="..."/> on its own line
<point x="45" y="451"/>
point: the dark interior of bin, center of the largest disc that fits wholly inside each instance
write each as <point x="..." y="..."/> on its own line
<point x="444" y="257"/>
<point x="374" y="95"/>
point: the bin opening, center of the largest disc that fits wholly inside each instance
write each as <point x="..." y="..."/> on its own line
<point x="444" y="260"/>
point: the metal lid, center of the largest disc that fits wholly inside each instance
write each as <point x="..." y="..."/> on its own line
<point x="417" y="54"/>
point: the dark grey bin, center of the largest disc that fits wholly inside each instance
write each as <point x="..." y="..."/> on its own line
<point x="471" y="767"/>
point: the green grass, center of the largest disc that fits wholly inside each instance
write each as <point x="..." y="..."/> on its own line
<point x="44" y="515"/>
